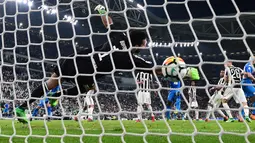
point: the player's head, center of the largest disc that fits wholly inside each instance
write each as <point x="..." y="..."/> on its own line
<point x="193" y="83"/>
<point x="253" y="60"/>
<point x="222" y="72"/>
<point x="138" y="38"/>
<point x="229" y="63"/>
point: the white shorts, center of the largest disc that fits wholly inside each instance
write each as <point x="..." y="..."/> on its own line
<point x="144" y="97"/>
<point x="89" y="100"/>
<point x="236" y="93"/>
<point x="193" y="104"/>
<point x="216" y="99"/>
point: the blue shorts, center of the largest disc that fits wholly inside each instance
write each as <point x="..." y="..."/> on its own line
<point x="6" y="110"/>
<point x="173" y="94"/>
<point x="43" y="101"/>
<point x="249" y="90"/>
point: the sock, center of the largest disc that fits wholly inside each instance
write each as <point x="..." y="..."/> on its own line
<point x="225" y="105"/>
<point x="208" y="112"/>
<point x="253" y="111"/>
<point x="197" y="114"/>
<point x="185" y="116"/>
<point x="49" y="111"/>
<point x="139" y="114"/>
<point x="35" y="112"/>
<point x="246" y="110"/>
<point x="150" y="108"/>
<point x="90" y="110"/>
<point x="168" y="112"/>
<point x="242" y="112"/>
<point x="221" y="113"/>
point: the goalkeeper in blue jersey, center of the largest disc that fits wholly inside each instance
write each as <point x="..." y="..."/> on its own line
<point x="174" y="96"/>
<point x="249" y="90"/>
<point x="48" y="102"/>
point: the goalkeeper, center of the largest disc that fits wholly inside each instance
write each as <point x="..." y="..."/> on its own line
<point x="48" y="102"/>
<point x="104" y="60"/>
<point x="112" y="55"/>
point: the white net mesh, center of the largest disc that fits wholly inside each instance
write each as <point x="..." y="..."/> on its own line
<point x="37" y="35"/>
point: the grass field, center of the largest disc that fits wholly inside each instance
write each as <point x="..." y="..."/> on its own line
<point x="71" y="132"/>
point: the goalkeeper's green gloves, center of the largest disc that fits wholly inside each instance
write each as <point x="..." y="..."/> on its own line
<point x="193" y="73"/>
<point x="100" y="9"/>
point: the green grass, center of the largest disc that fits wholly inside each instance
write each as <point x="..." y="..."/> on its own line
<point x="129" y="131"/>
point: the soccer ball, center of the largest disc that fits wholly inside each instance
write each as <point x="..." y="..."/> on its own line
<point x="172" y="66"/>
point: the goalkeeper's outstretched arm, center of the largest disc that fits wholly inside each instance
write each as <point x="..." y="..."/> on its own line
<point x="101" y="10"/>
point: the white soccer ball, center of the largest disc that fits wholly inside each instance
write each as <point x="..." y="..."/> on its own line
<point x="172" y="66"/>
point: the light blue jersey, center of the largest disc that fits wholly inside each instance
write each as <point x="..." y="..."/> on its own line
<point x="50" y="93"/>
<point x="6" y="108"/>
<point x="174" y="92"/>
<point x="249" y="90"/>
<point x="174" y="96"/>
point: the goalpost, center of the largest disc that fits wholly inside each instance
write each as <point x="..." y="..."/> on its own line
<point x="35" y="35"/>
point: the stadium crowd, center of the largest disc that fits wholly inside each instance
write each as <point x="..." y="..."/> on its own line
<point x="15" y="90"/>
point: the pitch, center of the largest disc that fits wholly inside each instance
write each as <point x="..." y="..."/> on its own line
<point x="181" y="131"/>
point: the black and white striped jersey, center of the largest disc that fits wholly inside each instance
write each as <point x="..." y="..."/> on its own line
<point x="221" y="82"/>
<point x="144" y="80"/>
<point x="192" y="94"/>
<point x="234" y="75"/>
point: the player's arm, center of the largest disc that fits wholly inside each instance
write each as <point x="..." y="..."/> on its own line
<point x="189" y="92"/>
<point x="101" y="10"/>
<point x="142" y="63"/>
<point x="152" y="85"/>
<point x="248" y="72"/>
<point x="226" y="76"/>
<point x="137" y="78"/>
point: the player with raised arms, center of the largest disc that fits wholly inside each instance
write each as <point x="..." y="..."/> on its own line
<point x="49" y="103"/>
<point x="249" y="88"/>
<point x="216" y="98"/>
<point x="232" y="77"/>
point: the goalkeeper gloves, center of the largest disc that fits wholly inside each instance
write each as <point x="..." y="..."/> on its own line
<point x="100" y="9"/>
<point x="193" y="73"/>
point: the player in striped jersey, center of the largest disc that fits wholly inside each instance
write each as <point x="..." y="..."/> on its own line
<point x="216" y="98"/>
<point x="144" y="81"/>
<point x="249" y="90"/>
<point x="89" y="103"/>
<point x="193" y="99"/>
<point x="232" y="77"/>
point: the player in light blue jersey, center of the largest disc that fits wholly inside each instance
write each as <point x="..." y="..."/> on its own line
<point x="249" y="90"/>
<point x="173" y="96"/>
<point x="5" y="109"/>
<point x="49" y="102"/>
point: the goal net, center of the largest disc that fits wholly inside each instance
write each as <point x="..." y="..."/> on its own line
<point x="36" y="36"/>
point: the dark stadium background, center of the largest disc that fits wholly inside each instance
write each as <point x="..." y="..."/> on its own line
<point x="22" y="45"/>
